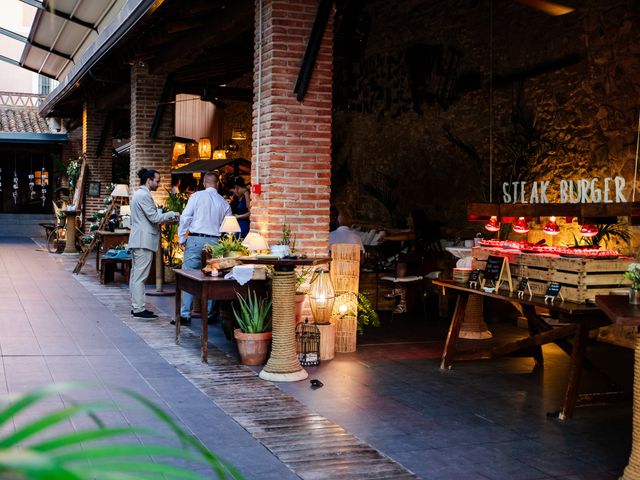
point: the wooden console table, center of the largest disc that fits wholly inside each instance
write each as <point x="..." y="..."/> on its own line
<point x="209" y="288"/>
<point x="106" y="240"/>
<point x="578" y="320"/>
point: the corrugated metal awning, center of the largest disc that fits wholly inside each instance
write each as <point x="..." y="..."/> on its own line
<point x="60" y="32"/>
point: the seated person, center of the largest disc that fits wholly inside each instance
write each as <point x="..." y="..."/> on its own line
<point x="344" y="234"/>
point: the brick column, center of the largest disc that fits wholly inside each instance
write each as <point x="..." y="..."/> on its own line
<point x="99" y="166"/>
<point x="147" y="152"/>
<point x="294" y="167"/>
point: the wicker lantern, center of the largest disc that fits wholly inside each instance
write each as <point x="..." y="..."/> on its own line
<point x="308" y="344"/>
<point x="321" y="296"/>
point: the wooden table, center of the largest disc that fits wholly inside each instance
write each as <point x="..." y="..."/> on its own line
<point x="283" y="364"/>
<point x="620" y="312"/>
<point x="578" y="319"/>
<point x="106" y="240"/>
<point x="209" y="288"/>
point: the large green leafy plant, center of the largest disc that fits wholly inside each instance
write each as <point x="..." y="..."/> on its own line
<point x="253" y="316"/>
<point x="39" y="449"/>
<point x="170" y="246"/>
<point x="226" y="245"/>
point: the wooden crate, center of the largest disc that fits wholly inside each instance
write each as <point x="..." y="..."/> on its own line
<point x="581" y="278"/>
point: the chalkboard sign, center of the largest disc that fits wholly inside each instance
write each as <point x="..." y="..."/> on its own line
<point x="524" y="283"/>
<point x="553" y="289"/>
<point x="475" y="275"/>
<point x="494" y="268"/>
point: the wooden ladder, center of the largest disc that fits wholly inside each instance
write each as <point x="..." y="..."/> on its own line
<point x="86" y="251"/>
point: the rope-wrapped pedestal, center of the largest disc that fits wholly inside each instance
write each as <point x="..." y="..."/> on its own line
<point x="283" y="365"/>
<point x="473" y="327"/>
<point x="632" y="471"/>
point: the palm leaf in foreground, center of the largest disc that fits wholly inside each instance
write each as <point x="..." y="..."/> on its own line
<point x="98" y="452"/>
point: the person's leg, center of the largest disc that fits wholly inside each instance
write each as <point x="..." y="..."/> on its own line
<point x="140" y="268"/>
<point x="191" y="261"/>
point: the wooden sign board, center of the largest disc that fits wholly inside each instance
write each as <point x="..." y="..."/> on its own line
<point x="497" y="271"/>
<point x="524" y="287"/>
<point x="553" y="292"/>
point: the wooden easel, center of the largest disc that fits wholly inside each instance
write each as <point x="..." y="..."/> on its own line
<point x="504" y="276"/>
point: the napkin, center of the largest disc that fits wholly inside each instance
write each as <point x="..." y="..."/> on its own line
<point x="240" y="273"/>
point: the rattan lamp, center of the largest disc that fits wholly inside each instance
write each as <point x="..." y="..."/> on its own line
<point x="321" y="296"/>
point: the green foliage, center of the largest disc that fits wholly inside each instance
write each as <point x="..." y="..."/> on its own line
<point x="175" y="202"/>
<point x="36" y="448"/>
<point x="367" y="315"/>
<point x="72" y="170"/>
<point x="254" y="314"/>
<point x="227" y="244"/>
<point x="606" y="233"/>
<point x="633" y="274"/>
<point x="301" y="275"/>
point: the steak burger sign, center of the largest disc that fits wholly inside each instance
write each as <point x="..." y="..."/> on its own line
<point x="607" y="190"/>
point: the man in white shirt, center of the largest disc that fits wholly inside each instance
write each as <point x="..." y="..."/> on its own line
<point x="202" y="217"/>
<point x="344" y="234"/>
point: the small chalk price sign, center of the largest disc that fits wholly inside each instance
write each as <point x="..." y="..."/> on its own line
<point x="474" y="278"/>
<point x="493" y="269"/>
<point x="553" y="292"/>
<point x="523" y="286"/>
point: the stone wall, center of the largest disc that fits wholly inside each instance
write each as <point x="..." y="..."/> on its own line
<point x="426" y="72"/>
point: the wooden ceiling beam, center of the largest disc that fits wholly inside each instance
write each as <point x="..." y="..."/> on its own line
<point x="237" y="17"/>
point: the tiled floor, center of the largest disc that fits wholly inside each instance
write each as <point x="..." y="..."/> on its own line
<point x="481" y="420"/>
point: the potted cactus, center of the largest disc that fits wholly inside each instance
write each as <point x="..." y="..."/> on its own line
<point x="254" y="335"/>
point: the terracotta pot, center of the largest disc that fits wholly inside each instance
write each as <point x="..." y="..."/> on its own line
<point x="300" y="297"/>
<point x="253" y="347"/>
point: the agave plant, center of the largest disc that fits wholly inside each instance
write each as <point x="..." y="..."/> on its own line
<point x="254" y="313"/>
<point x="98" y="452"/>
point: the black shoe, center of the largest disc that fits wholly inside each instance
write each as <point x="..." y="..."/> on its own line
<point x="183" y="321"/>
<point x="145" y="314"/>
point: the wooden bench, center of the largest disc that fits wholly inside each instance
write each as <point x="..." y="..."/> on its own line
<point x="108" y="267"/>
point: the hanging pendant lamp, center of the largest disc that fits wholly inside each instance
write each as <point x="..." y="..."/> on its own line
<point x="551" y="227"/>
<point x="492" y="225"/>
<point x="588" y="230"/>
<point x="520" y="226"/>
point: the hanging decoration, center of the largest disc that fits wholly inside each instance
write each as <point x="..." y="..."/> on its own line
<point x="588" y="230"/>
<point x="32" y="178"/>
<point x="15" y="187"/>
<point x="44" y="178"/>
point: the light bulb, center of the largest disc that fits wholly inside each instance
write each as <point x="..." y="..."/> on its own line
<point x="551" y="227"/>
<point x="588" y="230"/>
<point x="492" y="225"/>
<point x="520" y="225"/>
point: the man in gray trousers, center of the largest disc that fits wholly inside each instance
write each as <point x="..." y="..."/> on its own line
<point x="145" y="237"/>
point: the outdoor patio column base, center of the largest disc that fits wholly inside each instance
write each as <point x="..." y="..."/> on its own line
<point x="284" y="377"/>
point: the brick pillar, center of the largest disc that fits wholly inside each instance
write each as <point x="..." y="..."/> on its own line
<point x="294" y="166"/>
<point x="99" y="166"/>
<point x="147" y="152"/>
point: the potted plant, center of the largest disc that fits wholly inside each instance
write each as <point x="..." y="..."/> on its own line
<point x="287" y="245"/>
<point x="171" y="253"/>
<point x="254" y="335"/>
<point x="633" y="275"/>
<point x="228" y="246"/>
<point x="301" y="294"/>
